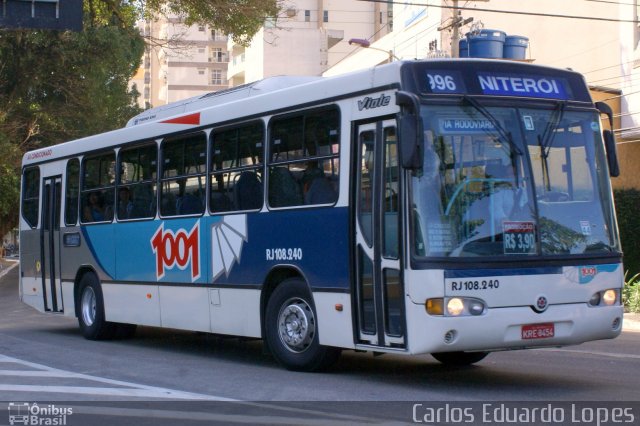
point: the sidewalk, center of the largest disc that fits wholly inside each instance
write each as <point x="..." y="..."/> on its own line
<point x="631" y="322"/>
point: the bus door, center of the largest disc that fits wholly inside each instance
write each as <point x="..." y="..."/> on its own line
<point x="50" y="243"/>
<point x="379" y="287"/>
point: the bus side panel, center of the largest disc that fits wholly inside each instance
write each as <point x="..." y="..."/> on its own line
<point x="314" y="241"/>
<point x="334" y="324"/>
<point x="235" y="311"/>
<point x="185" y="308"/>
<point x="30" y="268"/>
<point x="134" y="304"/>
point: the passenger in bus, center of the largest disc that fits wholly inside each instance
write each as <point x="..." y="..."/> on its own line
<point x="125" y="203"/>
<point x="94" y="210"/>
<point x="316" y="187"/>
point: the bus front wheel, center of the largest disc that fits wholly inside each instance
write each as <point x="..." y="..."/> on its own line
<point x="459" y="359"/>
<point x="91" y="316"/>
<point x="291" y="329"/>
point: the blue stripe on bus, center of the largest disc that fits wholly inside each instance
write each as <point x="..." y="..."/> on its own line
<point x="312" y="241"/>
<point x="470" y="273"/>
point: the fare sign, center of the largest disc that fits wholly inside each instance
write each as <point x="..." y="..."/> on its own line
<point x="519" y="237"/>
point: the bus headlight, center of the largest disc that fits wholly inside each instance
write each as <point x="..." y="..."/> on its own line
<point x="455" y="306"/>
<point x="609" y="297"/>
<point x="605" y="298"/>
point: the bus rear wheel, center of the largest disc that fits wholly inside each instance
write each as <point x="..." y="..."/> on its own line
<point x="91" y="316"/>
<point x="291" y="329"/>
<point x="459" y="359"/>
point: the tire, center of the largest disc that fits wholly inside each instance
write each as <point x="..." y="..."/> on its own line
<point x="291" y="329"/>
<point x="91" y="315"/>
<point x="459" y="359"/>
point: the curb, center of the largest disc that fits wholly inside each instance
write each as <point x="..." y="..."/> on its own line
<point x="6" y="270"/>
<point x="631" y="322"/>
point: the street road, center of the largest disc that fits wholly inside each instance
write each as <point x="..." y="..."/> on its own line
<point x="44" y="358"/>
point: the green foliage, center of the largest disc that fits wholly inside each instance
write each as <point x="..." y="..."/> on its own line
<point x="56" y="86"/>
<point x="627" y="208"/>
<point x="631" y="294"/>
<point x="240" y="18"/>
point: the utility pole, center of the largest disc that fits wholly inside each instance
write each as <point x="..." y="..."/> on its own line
<point x="456" y="23"/>
<point x="455" y="37"/>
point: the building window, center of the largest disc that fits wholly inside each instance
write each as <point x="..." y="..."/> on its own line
<point x="307" y="16"/>
<point x="217" y="55"/>
<point x="201" y="28"/>
<point x="201" y="71"/>
<point x="217" y="35"/>
<point x="325" y="16"/>
<point x="201" y="50"/>
<point x="216" y="77"/>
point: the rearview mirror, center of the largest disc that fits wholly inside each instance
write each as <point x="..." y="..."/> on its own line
<point x="612" y="153"/>
<point x="410" y="139"/>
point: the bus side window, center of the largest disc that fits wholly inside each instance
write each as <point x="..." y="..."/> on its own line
<point x="72" y="192"/>
<point x="236" y="165"/>
<point x="31" y="196"/>
<point x="98" y="186"/>
<point x="137" y="177"/>
<point x="304" y="159"/>
<point x="183" y="175"/>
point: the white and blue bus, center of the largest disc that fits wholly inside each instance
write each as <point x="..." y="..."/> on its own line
<point x="451" y="207"/>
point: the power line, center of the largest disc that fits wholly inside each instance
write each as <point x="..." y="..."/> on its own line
<point x="612" y="66"/>
<point x="621" y="96"/>
<point x="611" y="2"/>
<point x="509" y="12"/>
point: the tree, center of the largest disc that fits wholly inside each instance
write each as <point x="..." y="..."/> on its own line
<point x="242" y="19"/>
<point x="59" y="86"/>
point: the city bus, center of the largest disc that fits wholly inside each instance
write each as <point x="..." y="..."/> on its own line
<point x="444" y="207"/>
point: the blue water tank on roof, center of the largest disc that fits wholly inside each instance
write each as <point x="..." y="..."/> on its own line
<point x="515" y="47"/>
<point x="486" y="44"/>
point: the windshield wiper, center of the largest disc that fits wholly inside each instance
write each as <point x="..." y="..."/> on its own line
<point x="504" y="135"/>
<point x="546" y="141"/>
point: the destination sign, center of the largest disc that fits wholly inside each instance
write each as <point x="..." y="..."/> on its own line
<point x="523" y="85"/>
<point x="444" y="81"/>
<point x="465" y="125"/>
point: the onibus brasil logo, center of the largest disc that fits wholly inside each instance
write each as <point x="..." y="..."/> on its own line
<point x="23" y="413"/>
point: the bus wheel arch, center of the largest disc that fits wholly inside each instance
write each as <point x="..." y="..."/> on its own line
<point x="290" y="327"/>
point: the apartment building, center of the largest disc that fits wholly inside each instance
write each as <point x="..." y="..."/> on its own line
<point x="309" y="37"/>
<point x="180" y="62"/>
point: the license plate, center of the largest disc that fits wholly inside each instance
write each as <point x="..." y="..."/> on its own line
<point x="538" y="331"/>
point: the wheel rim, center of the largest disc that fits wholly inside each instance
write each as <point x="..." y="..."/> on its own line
<point x="88" y="306"/>
<point x="296" y="325"/>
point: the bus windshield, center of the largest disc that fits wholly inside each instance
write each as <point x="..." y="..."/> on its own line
<point x="504" y="181"/>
